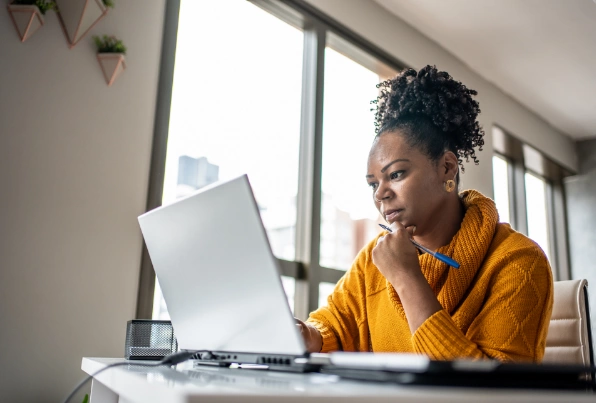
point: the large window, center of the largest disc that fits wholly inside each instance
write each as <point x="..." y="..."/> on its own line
<point x="501" y="173"/>
<point x="529" y="194"/>
<point x="236" y="109"/>
<point x="282" y="93"/>
<point x="348" y="216"/>
<point x="536" y="207"/>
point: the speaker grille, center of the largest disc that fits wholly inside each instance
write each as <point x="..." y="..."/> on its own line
<point x="149" y="339"/>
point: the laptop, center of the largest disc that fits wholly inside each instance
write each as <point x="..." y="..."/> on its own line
<point x="220" y="280"/>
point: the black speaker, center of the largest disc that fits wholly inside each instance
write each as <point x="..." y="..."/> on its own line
<point x="148" y="339"/>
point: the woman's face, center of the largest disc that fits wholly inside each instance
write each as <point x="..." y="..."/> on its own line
<point x="406" y="186"/>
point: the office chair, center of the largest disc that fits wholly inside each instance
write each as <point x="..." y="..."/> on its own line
<point x="569" y="338"/>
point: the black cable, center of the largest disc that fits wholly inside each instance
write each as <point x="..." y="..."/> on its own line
<point x="172" y="359"/>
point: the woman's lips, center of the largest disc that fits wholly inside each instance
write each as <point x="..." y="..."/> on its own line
<point x="392" y="214"/>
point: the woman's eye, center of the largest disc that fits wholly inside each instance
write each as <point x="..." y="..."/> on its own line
<point x="373" y="185"/>
<point x="396" y="174"/>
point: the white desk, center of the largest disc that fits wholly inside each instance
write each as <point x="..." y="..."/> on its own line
<point x="134" y="383"/>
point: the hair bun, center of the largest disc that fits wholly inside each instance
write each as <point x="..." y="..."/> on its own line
<point x="433" y="95"/>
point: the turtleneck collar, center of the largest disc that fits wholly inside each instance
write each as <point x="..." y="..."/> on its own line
<point x="468" y="247"/>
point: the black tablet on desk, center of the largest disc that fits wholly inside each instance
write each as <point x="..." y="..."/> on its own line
<point x="410" y="369"/>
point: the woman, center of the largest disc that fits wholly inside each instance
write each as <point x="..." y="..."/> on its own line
<point x="395" y="298"/>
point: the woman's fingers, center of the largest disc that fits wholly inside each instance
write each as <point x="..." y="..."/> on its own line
<point x="394" y="252"/>
<point x="301" y="326"/>
<point x="312" y="337"/>
<point x="399" y="230"/>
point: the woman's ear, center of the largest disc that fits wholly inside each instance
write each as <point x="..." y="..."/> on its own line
<point x="450" y="165"/>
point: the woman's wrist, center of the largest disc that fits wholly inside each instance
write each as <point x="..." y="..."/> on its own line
<point x="403" y="280"/>
<point x="315" y="344"/>
<point x="417" y="298"/>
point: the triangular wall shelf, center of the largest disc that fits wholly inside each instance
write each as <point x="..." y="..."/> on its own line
<point x="112" y="64"/>
<point x="27" y="19"/>
<point x="77" y="17"/>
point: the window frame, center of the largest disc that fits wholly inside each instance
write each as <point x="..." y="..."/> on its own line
<point x="306" y="269"/>
<point x="315" y="25"/>
<point x="511" y="187"/>
<point x="524" y="158"/>
<point x="159" y="148"/>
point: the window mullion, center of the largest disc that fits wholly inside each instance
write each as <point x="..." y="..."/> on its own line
<point x="159" y="150"/>
<point x="550" y="227"/>
<point x="558" y="217"/>
<point x="328" y="275"/>
<point x="511" y="193"/>
<point x="519" y="183"/>
<point x="310" y="163"/>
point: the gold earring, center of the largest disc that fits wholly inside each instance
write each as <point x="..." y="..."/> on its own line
<point x="450" y="185"/>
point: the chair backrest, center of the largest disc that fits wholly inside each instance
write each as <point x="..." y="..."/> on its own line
<point x="569" y="338"/>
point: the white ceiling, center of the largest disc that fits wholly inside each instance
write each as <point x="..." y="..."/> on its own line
<point x="541" y="52"/>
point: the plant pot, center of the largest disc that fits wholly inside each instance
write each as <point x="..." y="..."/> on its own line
<point x="27" y="19"/>
<point x="77" y="17"/>
<point x="112" y="64"/>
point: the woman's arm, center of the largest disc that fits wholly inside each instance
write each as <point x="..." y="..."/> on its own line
<point x="511" y="324"/>
<point x="342" y="322"/>
<point x="397" y="259"/>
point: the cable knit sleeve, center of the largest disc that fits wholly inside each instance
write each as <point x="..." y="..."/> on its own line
<point x="512" y="323"/>
<point x="342" y="322"/>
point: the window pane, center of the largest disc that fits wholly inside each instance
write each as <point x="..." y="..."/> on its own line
<point x="325" y="289"/>
<point x="289" y="284"/>
<point x="536" y="210"/>
<point x="160" y="310"/>
<point x="236" y="109"/>
<point x="501" y="187"/>
<point x="349" y="218"/>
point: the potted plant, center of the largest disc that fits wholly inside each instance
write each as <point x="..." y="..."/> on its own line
<point x="110" y="54"/>
<point x="27" y="15"/>
<point x="77" y="17"/>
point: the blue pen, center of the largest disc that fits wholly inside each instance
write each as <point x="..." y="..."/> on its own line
<point x="440" y="256"/>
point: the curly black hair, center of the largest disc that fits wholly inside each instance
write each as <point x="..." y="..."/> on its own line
<point x="435" y="112"/>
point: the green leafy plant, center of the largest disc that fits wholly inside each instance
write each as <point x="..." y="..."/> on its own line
<point x="43" y="5"/>
<point x="109" y="44"/>
<point x="108" y="3"/>
<point x="86" y="399"/>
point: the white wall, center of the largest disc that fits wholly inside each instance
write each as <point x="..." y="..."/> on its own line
<point x="74" y="163"/>
<point x="396" y="37"/>
<point x="581" y="217"/>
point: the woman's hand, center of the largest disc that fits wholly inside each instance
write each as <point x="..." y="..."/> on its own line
<point x="310" y="334"/>
<point x="396" y="258"/>
<point x="395" y="255"/>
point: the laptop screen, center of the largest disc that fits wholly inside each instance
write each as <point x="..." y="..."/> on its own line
<point x="217" y="272"/>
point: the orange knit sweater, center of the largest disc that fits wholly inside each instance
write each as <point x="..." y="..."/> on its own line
<point x="496" y="305"/>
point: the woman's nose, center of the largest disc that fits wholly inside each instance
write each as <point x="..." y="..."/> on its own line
<point x="381" y="193"/>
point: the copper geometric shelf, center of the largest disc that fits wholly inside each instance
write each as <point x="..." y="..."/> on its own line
<point x="77" y="17"/>
<point x="27" y="19"/>
<point x="112" y="64"/>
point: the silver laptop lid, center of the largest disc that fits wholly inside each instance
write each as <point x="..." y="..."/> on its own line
<point x="217" y="272"/>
